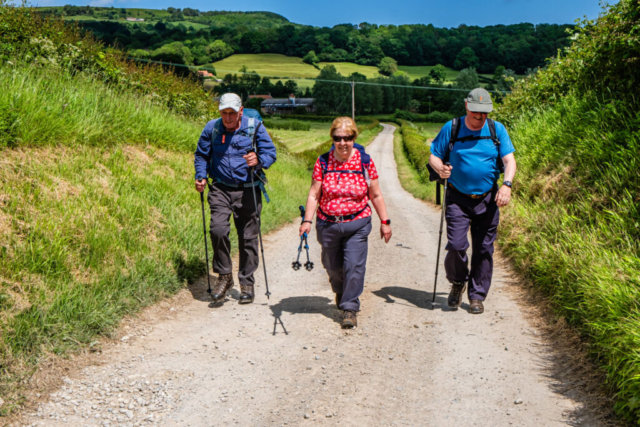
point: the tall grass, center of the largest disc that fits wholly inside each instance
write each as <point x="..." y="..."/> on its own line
<point x="574" y="229"/>
<point x="41" y="106"/>
<point x="98" y="214"/>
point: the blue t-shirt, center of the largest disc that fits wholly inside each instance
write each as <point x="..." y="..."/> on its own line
<point x="474" y="168"/>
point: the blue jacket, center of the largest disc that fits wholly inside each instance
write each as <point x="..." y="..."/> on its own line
<point x="224" y="160"/>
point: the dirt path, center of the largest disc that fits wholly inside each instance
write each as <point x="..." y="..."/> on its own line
<point x="287" y="362"/>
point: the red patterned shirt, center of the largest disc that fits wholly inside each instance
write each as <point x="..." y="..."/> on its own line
<point x="344" y="193"/>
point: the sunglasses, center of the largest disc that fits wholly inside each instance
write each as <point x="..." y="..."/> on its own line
<point x="337" y="138"/>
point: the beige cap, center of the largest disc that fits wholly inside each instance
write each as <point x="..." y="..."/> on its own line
<point x="479" y="101"/>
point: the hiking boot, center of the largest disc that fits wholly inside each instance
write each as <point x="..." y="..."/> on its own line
<point x="338" y="299"/>
<point x="455" y="296"/>
<point x="247" y="294"/>
<point x="476" y="307"/>
<point x="224" y="282"/>
<point x="349" y="319"/>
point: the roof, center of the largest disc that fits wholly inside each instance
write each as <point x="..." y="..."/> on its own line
<point x="286" y="102"/>
<point x="260" y="96"/>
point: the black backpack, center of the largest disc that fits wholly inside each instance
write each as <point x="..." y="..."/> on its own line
<point x="455" y="130"/>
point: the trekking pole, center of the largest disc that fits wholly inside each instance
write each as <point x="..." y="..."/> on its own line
<point x="296" y="264"/>
<point x="255" y="202"/>
<point x="206" y="247"/>
<point x="444" y="204"/>
<point x="307" y="265"/>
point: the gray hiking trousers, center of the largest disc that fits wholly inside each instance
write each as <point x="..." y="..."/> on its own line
<point x="345" y="246"/>
<point x="224" y="201"/>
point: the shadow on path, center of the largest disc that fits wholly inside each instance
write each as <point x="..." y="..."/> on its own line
<point x="303" y="305"/>
<point x="418" y="298"/>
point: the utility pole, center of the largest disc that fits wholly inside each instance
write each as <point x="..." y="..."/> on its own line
<point x="353" y="101"/>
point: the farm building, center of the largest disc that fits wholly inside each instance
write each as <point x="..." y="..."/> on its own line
<point x="287" y="105"/>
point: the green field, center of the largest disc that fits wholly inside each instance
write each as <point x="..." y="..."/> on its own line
<point x="269" y="64"/>
<point x="299" y="141"/>
<point x="348" y="68"/>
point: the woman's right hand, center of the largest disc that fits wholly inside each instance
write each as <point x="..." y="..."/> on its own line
<point x="305" y="228"/>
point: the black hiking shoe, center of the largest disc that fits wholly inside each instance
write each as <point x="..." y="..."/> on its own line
<point x="223" y="284"/>
<point x="247" y="294"/>
<point x="455" y="296"/>
<point x="349" y="319"/>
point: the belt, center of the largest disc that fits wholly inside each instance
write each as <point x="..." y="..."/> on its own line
<point x="472" y="196"/>
<point x="341" y="218"/>
<point x="257" y="183"/>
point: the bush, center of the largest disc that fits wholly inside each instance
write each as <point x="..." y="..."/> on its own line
<point x="287" y="125"/>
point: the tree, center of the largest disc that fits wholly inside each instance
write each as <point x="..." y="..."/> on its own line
<point x="467" y="79"/>
<point x="330" y="97"/>
<point x="388" y="66"/>
<point x="506" y="81"/>
<point x="497" y="74"/>
<point x="438" y="73"/>
<point x="311" y="58"/>
<point x="466" y="59"/>
<point x="219" y="50"/>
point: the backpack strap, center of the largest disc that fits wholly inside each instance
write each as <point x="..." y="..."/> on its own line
<point x="496" y="142"/>
<point x="456" y="123"/>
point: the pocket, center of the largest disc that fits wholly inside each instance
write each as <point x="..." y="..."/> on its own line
<point x="219" y="150"/>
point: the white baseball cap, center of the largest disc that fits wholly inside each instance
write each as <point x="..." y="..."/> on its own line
<point x="230" y="100"/>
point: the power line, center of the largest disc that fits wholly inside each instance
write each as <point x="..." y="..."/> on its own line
<point x="349" y="82"/>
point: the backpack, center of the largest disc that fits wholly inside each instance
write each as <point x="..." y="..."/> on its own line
<point x="456" y="123"/>
<point x="365" y="161"/>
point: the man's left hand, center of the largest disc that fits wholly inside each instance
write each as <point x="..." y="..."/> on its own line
<point x="504" y="196"/>
<point x="251" y="159"/>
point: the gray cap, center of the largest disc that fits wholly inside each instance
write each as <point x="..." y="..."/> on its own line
<point x="479" y="101"/>
<point x="230" y="100"/>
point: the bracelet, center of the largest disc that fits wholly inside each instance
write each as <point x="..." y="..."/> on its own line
<point x="304" y="220"/>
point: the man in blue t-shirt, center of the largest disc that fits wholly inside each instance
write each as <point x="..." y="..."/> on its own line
<point x="473" y="196"/>
<point x="225" y="155"/>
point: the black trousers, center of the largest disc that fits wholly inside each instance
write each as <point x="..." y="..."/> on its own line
<point x="223" y="202"/>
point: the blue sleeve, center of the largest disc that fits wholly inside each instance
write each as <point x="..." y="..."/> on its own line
<point x="266" y="148"/>
<point x="506" y="146"/>
<point x="203" y="152"/>
<point x="439" y="144"/>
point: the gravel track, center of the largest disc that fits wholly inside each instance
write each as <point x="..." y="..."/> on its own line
<point x="286" y="361"/>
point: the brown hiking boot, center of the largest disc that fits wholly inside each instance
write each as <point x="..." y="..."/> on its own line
<point x="224" y="282"/>
<point x="349" y="319"/>
<point x="476" y="307"/>
<point x="246" y="297"/>
<point x="455" y="296"/>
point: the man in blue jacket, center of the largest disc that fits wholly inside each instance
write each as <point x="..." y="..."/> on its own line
<point x="477" y="152"/>
<point x="224" y="155"/>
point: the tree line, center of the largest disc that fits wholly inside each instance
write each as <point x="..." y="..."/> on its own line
<point x="517" y="47"/>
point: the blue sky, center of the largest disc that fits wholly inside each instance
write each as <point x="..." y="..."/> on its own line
<point x="440" y="13"/>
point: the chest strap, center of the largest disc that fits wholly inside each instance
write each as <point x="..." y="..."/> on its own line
<point x="342" y="218"/>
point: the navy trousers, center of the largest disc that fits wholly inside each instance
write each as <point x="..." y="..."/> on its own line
<point x="482" y="216"/>
<point x="345" y="246"/>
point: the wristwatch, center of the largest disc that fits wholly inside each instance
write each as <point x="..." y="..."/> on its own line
<point x="386" y="221"/>
<point x="507" y="183"/>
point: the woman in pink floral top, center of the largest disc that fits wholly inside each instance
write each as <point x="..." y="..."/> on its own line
<point x="344" y="181"/>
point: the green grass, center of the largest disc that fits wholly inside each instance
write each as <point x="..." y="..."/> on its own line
<point x="574" y="227"/>
<point x="98" y="214"/>
<point x="348" y="68"/>
<point x="301" y="141"/>
<point x="298" y="141"/>
<point x="409" y="177"/>
<point x="266" y="64"/>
